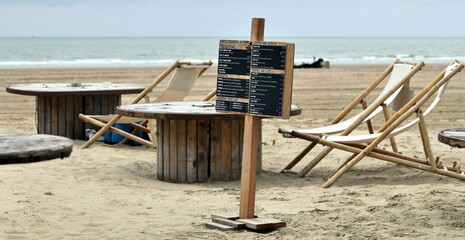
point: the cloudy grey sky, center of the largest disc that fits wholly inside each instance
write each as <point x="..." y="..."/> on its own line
<point x="217" y="18"/>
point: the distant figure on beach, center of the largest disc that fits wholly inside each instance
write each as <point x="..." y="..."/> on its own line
<point x="315" y="64"/>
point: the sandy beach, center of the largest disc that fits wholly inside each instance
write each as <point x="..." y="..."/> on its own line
<point x="111" y="191"/>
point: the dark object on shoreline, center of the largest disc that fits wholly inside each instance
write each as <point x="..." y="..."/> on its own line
<point x="320" y="63"/>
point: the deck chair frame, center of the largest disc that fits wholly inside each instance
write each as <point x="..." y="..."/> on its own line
<point x="143" y="95"/>
<point x="367" y="112"/>
<point x="430" y="164"/>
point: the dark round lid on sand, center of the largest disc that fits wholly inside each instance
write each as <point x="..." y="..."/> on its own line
<point x="454" y="137"/>
<point x="24" y="148"/>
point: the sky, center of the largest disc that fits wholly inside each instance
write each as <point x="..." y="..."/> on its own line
<point x="219" y="18"/>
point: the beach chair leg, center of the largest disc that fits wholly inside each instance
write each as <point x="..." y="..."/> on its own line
<point x="425" y="140"/>
<point x="101" y="131"/>
<point x="299" y="157"/>
<point x="152" y="134"/>
<point x="369" y="124"/>
<point x="134" y="132"/>
<point x="314" y="162"/>
<point x="144" y="123"/>
<point x="387" y="115"/>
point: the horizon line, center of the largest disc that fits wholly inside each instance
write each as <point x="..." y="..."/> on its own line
<point x="35" y="36"/>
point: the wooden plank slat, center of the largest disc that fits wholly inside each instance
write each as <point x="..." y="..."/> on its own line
<point x="235" y="150"/>
<point x="104" y="105"/>
<point x="262" y="223"/>
<point x="112" y="102"/>
<point x="215" y="150"/>
<point x="54" y="109"/>
<point x="231" y="223"/>
<point x="202" y="150"/>
<point x="48" y="115"/>
<point x="166" y="150"/>
<point x="78" y="124"/>
<point x="70" y="117"/>
<point x="40" y="108"/>
<point x="62" y="116"/>
<point x="97" y="108"/>
<point x="160" y="163"/>
<point x="218" y="226"/>
<point x="88" y="109"/>
<point x="173" y="150"/>
<point x="192" y="162"/>
<point x="230" y="216"/>
<point x="225" y="139"/>
<point x="182" y="151"/>
<point x="118" y="101"/>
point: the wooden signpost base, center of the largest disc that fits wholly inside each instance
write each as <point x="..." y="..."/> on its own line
<point x="246" y="217"/>
<point x="231" y="221"/>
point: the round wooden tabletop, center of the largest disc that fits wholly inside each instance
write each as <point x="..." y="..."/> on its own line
<point x="454" y="137"/>
<point x="24" y="148"/>
<point x="74" y="89"/>
<point x="182" y="111"/>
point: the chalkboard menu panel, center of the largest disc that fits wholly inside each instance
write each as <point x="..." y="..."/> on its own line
<point x="230" y="105"/>
<point x="255" y="78"/>
<point x="234" y="57"/>
<point x="233" y="83"/>
<point x="232" y="87"/>
<point x="266" y="93"/>
<point x="269" y="55"/>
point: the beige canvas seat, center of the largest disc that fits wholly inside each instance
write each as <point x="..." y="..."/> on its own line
<point x="366" y="145"/>
<point x="396" y="91"/>
<point x="182" y="80"/>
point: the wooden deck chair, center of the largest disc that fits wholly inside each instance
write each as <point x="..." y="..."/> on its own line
<point x="184" y="76"/>
<point x="395" y="91"/>
<point x="366" y="145"/>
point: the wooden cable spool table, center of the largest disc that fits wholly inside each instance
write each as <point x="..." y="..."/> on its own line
<point x="454" y="137"/>
<point x="24" y="148"/>
<point x="195" y="143"/>
<point x="58" y="105"/>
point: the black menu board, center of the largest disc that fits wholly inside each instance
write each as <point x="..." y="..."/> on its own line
<point x="255" y="78"/>
<point x="233" y="83"/>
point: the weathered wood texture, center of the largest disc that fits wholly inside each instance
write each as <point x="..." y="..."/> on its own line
<point x="24" y="148"/>
<point x="219" y="226"/>
<point x="59" y="115"/>
<point x="262" y="223"/>
<point x="191" y="151"/>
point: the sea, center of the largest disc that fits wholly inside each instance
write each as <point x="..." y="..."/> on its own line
<point x="162" y="51"/>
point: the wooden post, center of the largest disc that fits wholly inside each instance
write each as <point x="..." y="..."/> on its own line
<point x="369" y="124"/>
<point x="250" y="154"/>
